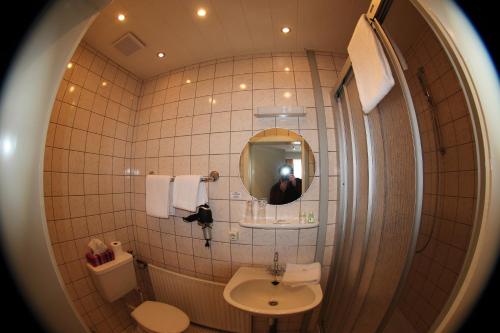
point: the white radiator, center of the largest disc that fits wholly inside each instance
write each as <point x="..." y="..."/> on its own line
<point x="201" y="300"/>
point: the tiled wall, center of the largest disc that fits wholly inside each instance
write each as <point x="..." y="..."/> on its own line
<point x="449" y="184"/>
<point x="197" y="119"/>
<point x="106" y="133"/>
<point x="86" y="181"/>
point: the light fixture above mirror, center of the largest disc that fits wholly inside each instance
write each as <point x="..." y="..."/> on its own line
<point x="280" y="111"/>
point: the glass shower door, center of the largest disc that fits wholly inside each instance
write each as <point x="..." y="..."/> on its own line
<point x="380" y="206"/>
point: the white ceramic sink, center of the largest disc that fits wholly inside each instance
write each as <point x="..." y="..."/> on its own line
<point x="251" y="290"/>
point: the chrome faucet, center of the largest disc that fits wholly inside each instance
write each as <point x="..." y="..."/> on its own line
<point x="276" y="269"/>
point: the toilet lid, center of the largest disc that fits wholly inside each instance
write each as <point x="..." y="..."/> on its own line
<point x="160" y="317"/>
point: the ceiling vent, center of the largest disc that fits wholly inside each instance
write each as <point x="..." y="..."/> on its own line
<point x="128" y="44"/>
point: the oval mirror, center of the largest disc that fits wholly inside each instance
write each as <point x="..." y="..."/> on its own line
<point x="277" y="165"/>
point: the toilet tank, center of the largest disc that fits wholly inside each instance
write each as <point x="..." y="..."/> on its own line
<point x="115" y="278"/>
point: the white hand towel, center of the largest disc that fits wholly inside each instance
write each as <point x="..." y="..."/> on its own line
<point x="189" y="192"/>
<point x="158" y="195"/>
<point x="371" y="69"/>
<point x="302" y="274"/>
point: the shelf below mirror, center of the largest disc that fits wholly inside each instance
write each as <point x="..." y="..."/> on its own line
<point x="277" y="224"/>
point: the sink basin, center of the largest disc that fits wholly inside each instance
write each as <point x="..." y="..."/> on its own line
<point x="251" y="290"/>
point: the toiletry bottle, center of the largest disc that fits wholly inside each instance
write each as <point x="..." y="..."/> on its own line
<point x="310" y="218"/>
<point x="249" y="211"/>
<point x="302" y="218"/>
<point x="261" y="214"/>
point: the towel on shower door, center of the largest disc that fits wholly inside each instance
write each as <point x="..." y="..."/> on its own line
<point x="302" y="274"/>
<point x="189" y="192"/>
<point x="371" y="69"/>
<point x="158" y="195"/>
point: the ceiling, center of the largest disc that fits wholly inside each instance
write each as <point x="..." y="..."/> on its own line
<point x="230" y="28"/>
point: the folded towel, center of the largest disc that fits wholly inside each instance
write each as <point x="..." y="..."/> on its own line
<point x="371" y="69"/>
<point x="158" y="195"/>
<point x="189" y="192"/>
<point x="302" y="274"/>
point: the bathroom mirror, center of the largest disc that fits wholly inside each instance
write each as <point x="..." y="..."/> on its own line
<point x="277" y="165"/>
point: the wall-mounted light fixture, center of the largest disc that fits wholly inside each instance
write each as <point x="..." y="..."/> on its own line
<point x="280" y="111"/>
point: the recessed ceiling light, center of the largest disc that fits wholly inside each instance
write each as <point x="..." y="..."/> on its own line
<point x="104" y="83"/>
<point x="202" y="12"/>
<point x="70" y="65"/>
<point x="121" y="17"/>
<point x="161" y="55"/>
<point x="285" y="30"/>
<point x="188" y="81"/>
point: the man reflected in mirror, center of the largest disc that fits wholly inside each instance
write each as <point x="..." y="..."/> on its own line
<point x="287" y="189"/>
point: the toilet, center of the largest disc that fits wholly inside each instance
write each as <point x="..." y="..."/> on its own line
<point x="116" y="278"/>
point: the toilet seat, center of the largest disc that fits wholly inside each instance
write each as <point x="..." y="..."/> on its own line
<point x="159" y="317"/>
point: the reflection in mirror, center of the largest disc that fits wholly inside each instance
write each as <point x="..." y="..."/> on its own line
<point x="277" y="165"/>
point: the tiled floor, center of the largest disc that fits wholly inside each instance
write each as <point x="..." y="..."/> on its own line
<point x="191" y="329"/>
<point x="200" y="329"/>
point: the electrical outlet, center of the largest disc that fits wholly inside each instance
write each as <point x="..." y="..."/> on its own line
<point x="233" y="235"/>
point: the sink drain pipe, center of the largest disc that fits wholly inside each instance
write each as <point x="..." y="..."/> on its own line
<point x="273" y="325"/>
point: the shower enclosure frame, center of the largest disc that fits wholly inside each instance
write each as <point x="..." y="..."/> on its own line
<point x="346" y="74"/>
<point x="473" y="274"/>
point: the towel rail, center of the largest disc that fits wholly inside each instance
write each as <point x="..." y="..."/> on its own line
<point x="214" y="175"/>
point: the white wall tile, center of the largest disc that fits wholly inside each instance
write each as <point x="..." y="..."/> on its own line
<point x="239" y="140"/>
<point x="262" y="254"/>
<point x="221" y="251"/>
<point x="220" y="231"/>
<point x="284" y="80"/>
<point x="220" y="163"/>
<point x="282" y="64"/>
<point x="200" y="144"/>
<point x="241" y="253"/>
<point x="221" y="102"/>
<point x="199" y="165"/>
<point x="224" y="69"/>
<point x="241" y="120"/>
<point x="243" y="82"/>
<point x="219" y="143"/>
<point x="186" y="107"/>
<point x="220" y="122"/>
<point x="241" y="100"/>
<point x="262" y="64"/>
<point x="287" y="237"/>
<point x="184" y="244"/>
<point x="219" y="189"/>
<point x="201" y="124"/>
<point x="203" y="105"/>
<point x="223" y="85"/>
<point x="263" y="80"/>
<point x="182" y="145"/>
<point x="206" y="72"/>
<point x="243" y="66"/>
<point x="264" y="237"/>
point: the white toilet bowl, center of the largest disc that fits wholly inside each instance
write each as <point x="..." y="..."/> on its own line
<point x="157" y="317"/>
<point x="116" y="278"/>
